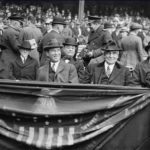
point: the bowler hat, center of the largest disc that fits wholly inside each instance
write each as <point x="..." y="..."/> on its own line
<point x="58" y="20"/>
<point x="124" y="29"/>
<point x="108" y="25"/>
<point x="70" y="41"/>
<point x="26" y="45"/>
<point x="16" y="17"/>
<point x="94" y="17"/>
<point x="53" y="43"/>
<point x="147" y="47"/>
<point x="111" y="46"/>
<point x="135" y="26"/>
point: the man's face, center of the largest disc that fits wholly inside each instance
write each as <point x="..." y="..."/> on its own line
<point x="60" y="27"/>
<point x="69" y="50"/>
<point x="111" y="56"/>
<point x="54" y="54"/>
<point x="24" y="52"/>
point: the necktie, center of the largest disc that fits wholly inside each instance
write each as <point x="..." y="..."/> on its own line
<point x="53" y="67"/>
<point x="108" y="71"/>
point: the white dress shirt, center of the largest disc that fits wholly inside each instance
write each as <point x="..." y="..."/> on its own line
<point x="110" y="66"/>
<point x="55" y="65"/>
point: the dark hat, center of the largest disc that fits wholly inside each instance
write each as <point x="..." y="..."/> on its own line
<point x="70" y="41"/>
<point x="135" y="26"/>
<point x="147" y="47"/>
<point x="16" y="17"/>
<point x="26" y="45"/>
<point x="58" y="20"/>
<point x="111" y="46"/>
<point x="108" y="25"/>
<point x="53" y="43"/>
<point x="94" y="17"/>
<point x="124" y="29"/>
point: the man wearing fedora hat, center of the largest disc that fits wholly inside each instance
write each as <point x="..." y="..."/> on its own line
<point x="109" y="72"/>
<point x="141" y="74"/>
<point x="24" y="67"/>
<point x="132" y="48"/>
<point x="56" y="33"/>
<point x="55" y="69"/>
<point x="69" y="53"/>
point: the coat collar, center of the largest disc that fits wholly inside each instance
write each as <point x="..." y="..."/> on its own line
<point x="101" y="69"/>
<point x="27" y="62"/>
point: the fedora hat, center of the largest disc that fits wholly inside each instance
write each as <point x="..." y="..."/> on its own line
<point x="135" y="26"/>
<point x="108" y="25"/>
<point x="58" y="20"/>
<point x="53" y="43"/>
<point x="147" y="47"/>
<point x="111" y="46"/>
<point x="70" y="41"/>
<point x="26" y="45"/>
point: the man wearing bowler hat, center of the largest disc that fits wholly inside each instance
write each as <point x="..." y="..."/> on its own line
<point x="141" y="74"/>
<point x="56" y="70"/>
<point x="109" y="72"/>
<point x="69" y="53"/>
<point x="56" y="33"/>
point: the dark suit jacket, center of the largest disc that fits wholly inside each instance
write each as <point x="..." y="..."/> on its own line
<point x="66" y="73"/>
<point x="26" y="71"/>
<point x="141" y="74"/>
<point x="120" y="74"/>
<point x="132" y="50"/>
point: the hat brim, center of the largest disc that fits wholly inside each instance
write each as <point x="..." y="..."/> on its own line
<point x="28" y="49"/>
<point x="59" y="23"/>
<point x="70" y="44"/>
<point x="111" y="49"/>
<point x="46" y="48"/>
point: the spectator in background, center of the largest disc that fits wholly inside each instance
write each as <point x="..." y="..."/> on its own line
<point x="31" y="32"/>
<point x="24" y="67"/>
<point x="141" y="74"/>
<point x="67" y="32"/>
<point x="132" y="48"/>
<point x="10" y="38"/>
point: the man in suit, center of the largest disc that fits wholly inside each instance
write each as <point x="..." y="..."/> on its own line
<point x="56" y="70"/>
<point x="141" y="73"/>
<point x="56" y="33"/>
<point x="24" y="67"/>
<point x="132" y="48"/>
<point x="109" y="72"/>
<point x="98" y="38"/>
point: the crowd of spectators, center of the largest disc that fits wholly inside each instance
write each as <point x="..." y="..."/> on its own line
<point x="32" y="35"/>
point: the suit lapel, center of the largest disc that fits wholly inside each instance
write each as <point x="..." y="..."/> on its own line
<point x="98" y="71"/>
<point x="115" y="72"/>
<point x="60" y="67"/>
